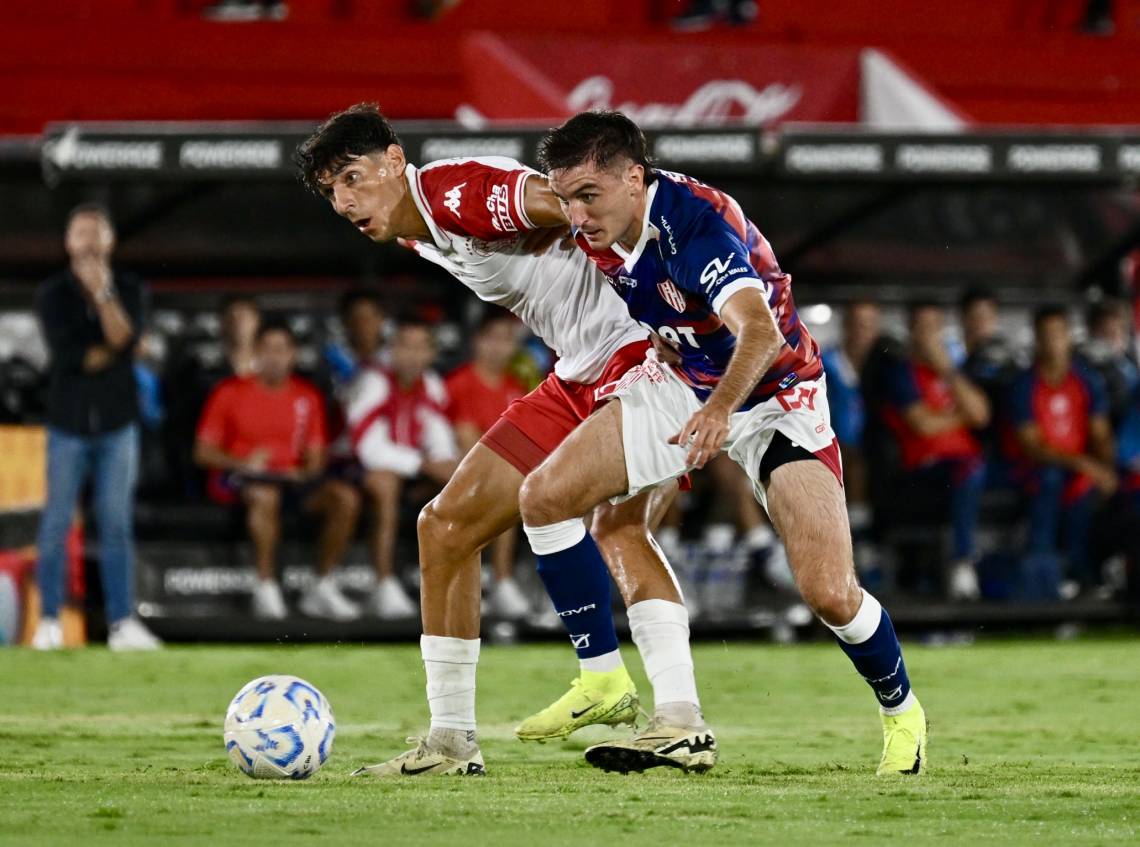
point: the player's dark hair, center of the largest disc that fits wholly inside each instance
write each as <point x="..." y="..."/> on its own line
<point x="1047" y="312"/>
<point x="976" y="294"/>
<point x="357" y="131"/>
<point x="352" y="296"/>
<point x="599" y="138"/>
<point x="90" y="208"/>
<point x="276" y="323"/>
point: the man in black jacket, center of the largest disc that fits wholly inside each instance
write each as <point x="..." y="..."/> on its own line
<point x="91" y="317"/>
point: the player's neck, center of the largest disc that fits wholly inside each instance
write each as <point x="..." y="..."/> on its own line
<point x="633" y="234"/>
<point x="409" y="222"/>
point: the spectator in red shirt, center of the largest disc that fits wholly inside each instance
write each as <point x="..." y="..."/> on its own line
<point x="1059" y="409"/>
<point x="932" y="408"/>
<point x="480" y="392"/>
<point x="262" y="437"/>
<point x="399" y="433"/>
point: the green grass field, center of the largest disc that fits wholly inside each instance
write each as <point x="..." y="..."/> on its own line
<point x="1032" y="742"/>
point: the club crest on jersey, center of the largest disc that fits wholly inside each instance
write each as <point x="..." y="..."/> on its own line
<point x="452" y="201"/>
<point x="671" y="295"/>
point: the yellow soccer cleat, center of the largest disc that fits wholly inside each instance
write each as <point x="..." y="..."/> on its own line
<point x="608" y="698"/>
<point x="904" y="742"/>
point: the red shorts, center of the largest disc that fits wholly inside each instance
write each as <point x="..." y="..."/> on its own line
<point x="533" y="426"/>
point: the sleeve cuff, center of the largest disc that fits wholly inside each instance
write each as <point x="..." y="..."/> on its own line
<point x="734" y="286"/>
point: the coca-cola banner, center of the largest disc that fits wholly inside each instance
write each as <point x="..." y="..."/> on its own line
<point x="660" y="82"/>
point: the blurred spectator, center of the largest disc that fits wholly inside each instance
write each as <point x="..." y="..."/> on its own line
<point x="932" y="408"/>
<point x="479" y="392"/>
<point x="361" y="313"/>
<point x="263" y="438"/>
<point x="844" y="366"/>
<point x="1060" y="412"/>
<point x="1107" y="351"/>
<point x="1126" y="514"/>
<point x="991" y="362"/>
<point x="196" y="372"/>
<point x="92" y="316"/>
<point x="399" y="433"/>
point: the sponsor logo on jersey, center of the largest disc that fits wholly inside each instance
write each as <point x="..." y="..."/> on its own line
<point x="716" y="271"/>
<point x="499" y="205"/>
<point x="568" y="612"/>
<point x="452" y="201"/>
<point x="669" y="234"/>
<point x="671" y="295"/>
<point x="626" y="281"/>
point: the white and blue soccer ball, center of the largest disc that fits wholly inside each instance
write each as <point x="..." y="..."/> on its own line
<point x="279" y="727"/>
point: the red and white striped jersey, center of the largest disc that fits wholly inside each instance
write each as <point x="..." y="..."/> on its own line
<point x="475" y="211"/>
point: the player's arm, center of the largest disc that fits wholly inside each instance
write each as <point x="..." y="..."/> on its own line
<point x="541" y="203"/>
<point x="1102" y="445"/>
<point x="1035" y="449"/>
<point x="758" y="342"/>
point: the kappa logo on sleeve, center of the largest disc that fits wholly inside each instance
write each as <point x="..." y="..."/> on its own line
<point x="452" y="201"/>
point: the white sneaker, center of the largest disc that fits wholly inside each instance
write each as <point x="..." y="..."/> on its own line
<point x="268" y="604"/>
<point x="49" y="635"/>
<point x="424" y="761"/>
<point x="389" y="600"/>
<point x="508" y="601"/>
<point x="130" y="634"/>
<point x="325" y="600"/>
<point x="963" y="582"/>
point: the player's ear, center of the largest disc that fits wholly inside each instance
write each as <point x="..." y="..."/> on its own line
<point x="394" y="159"/>
<point x="635" y="177"/>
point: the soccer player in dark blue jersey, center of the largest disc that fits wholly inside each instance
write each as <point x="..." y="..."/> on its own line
<point x="691" y="266"/>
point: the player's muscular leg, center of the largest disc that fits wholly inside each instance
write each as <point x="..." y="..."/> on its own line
<point x="807" y="508"/>
<point x="586" y="469"/>
<point x="477" y="504"/>
<point x="623" y="534"/>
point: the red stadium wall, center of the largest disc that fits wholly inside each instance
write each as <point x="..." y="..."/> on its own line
<point x="998" y="61"/>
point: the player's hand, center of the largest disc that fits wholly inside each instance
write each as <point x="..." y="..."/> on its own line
<point x="257" y="461"/>
<point x="704" y="434"/>
<point x="538" y="241"/>
<point x="667" y="352"/>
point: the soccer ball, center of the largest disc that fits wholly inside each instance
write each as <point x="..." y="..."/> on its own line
<point x="279" y="727"/>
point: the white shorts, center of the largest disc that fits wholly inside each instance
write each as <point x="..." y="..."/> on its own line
<point x="656" y="404"/>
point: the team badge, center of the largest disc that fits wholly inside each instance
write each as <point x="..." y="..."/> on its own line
<point x="672" y="295"/>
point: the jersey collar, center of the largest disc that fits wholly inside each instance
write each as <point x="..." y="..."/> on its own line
<point x="412" y="175"/>
<point x="648" y="231"/>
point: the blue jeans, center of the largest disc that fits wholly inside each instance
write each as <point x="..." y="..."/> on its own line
<point x="111" y="461"/>
<point x="1050" y="515"/>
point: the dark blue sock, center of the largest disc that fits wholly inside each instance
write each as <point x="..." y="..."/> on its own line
<point x="879" y="660"/>
<point x="578" y="583"/>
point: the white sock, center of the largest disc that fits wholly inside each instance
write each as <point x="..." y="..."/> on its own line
<point x="555" y="537"/>
<point x="450" y="666"/>
<point x="863" y="625"/>
<point x="604" y="663"/>
<point x="660" y="629"/>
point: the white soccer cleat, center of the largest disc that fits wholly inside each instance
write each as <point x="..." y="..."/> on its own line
<point x="508" y="601"/>
<point x="268" y="603"/>
<point x="690" y="749"/>
<point x="325" y="600"/>
<point x="130" y="634"/>
<point x="48" y="635"/>
<point x="389" y="601"/>
<point x="423" y="761"/>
